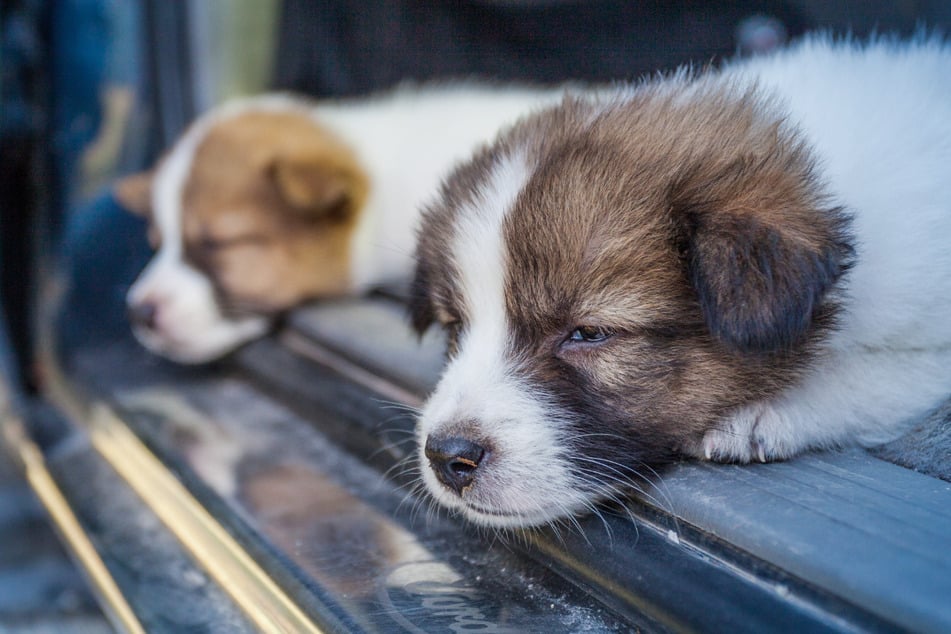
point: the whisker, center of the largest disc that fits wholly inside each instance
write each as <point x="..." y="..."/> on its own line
<point x="625" y="473"/>
<point x="397" y="430"/>
<point x="657" y="482"/>
<point x="393" y="447"/>
<point x="398" y="405"/>
<point x="403" y="467"/>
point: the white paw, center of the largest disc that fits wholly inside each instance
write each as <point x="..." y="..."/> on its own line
<point x="755" y="432"/>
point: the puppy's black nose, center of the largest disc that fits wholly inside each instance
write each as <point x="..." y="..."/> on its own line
<point x="454" y="460"/>
<point x="143" y="315"/>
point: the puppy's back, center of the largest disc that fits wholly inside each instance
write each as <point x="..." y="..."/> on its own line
<point x="879" y="119"/>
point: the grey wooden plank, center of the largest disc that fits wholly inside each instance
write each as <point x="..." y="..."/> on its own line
<point x="893" y="568"/>
<point x="864" y="509"/>
<point x="903" y="484"/>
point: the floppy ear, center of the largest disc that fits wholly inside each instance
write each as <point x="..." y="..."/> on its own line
<point x="319" y="187"/>
<point x="761" y="257"/>
<point x="420" y="306"/>
<point x="134" y="193"/>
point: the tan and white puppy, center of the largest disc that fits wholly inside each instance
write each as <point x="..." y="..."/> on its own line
<point x="735" y="265"/>
<point x="271" y="201"/>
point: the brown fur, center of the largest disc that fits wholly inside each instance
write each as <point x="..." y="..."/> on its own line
<point x="134" y="193"/>
<point x="269" y="210"/>
<point x="693" y="229"/>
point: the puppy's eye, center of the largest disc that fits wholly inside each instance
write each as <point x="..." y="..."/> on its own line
<point x="589" y="334"/>
<point x="207" y="243"/>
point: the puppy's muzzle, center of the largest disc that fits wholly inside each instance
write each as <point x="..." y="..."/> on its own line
<point x="454" y="461"/>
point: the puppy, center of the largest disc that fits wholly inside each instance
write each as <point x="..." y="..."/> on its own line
<point x="268" y="202"/>
<point x="735" y="265"/>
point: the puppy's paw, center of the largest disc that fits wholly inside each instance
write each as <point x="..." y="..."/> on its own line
<point x="731" y="440"/>
<point x="752" y="433"/>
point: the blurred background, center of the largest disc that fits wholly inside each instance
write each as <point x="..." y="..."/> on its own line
<point x="93" y="89"/>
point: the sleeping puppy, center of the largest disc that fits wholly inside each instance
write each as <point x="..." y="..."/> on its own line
<point x="735" y="265"/>
<point x="268" y="202"/>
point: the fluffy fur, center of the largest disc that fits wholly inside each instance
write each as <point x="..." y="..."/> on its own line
<point x="268" y="202"/>
<point x="732" y="265"/>
<point x="926" y="448"/>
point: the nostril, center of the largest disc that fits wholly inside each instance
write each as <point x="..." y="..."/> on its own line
<point x="462" y="467"/>
<point x="454" y="460"/>
<point x="143" y="315"/>
<point x="462" y="454"/>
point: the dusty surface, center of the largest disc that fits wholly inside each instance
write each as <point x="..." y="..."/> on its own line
<point x="40" y="588"/>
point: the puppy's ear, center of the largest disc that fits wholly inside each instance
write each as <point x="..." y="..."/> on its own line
<point x="761" y="254"/>
<point x="318" y="186"/>
<point x="134" y="193"/>
<point x="420" y="305"/>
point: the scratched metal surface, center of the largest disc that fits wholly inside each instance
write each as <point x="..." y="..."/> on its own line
<point x="39" y="585"/>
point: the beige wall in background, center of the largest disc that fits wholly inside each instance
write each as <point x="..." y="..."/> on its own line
<point x="233" y="46"/>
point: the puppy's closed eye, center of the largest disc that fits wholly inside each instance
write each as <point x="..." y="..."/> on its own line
<point x="588" y="335"/>
<point x="584" y="340"/>
<point x="211" y="244"/>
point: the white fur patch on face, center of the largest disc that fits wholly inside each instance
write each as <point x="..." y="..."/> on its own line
<point x="482" y="396"/>
<point x="188" y="325"/>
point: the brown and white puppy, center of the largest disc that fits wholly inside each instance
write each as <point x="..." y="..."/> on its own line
<point x="268" y="202"/>
<point x="733" y="265"/>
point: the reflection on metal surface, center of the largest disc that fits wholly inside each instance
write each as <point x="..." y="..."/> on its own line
<point x="435" y="588"/>
<point x="342" y="527"/>
<point x="349" y="547"/>
<point x="42" y="483"/>
<point x="361" y="554"/>
<point x="251" y="588"/>
<point x="308" y="349"/>
<point x="208" y="447"/>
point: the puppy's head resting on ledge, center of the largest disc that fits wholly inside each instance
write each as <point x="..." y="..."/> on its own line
<point x="251" y="212"/>
<point x="614" y="276"/>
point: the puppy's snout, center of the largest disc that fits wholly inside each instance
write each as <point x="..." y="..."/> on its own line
<point x="143" y="314"/>
<point x="454" y="460"/>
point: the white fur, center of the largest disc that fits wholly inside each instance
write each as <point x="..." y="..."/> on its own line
<point x="879" y="118"/>
<point x="482" y="382"/>
<point x="408" y="141"/>
<point x="405" y="141"/>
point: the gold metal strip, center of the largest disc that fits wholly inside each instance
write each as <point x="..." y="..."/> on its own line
<point x="44" y="486"/>
<point x="236" y="572"/>
<point x="225" y="560"/>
